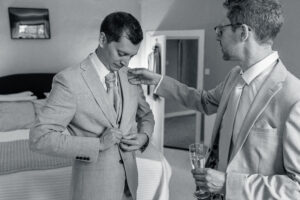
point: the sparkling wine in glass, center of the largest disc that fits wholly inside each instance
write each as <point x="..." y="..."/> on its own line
<point x="197" y="153"/>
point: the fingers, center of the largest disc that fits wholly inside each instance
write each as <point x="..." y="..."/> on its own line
<point x="139" y="81"/>
<point x="134" y="81"/>
<point x="136" y="71"/>
<point x="130" y="142"/>
<point x="126" y="147"/>
<point x="130" y="136"/>
<point x="117" y="134"/>
<point x="111" y="137"/>
<point x="143" y="76"/>
<point x="212" y="179"/>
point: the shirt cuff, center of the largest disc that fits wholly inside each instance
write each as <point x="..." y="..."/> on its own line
<point x="157" y="86"/>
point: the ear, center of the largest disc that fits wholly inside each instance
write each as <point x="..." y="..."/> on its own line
<point x="102" y="39"/>
<point x="245" y="32"/>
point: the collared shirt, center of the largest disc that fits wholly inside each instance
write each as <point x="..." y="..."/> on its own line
<point x="257" y="69"/>
<point x="254" y="78"/>
<point x="102" y="71"/>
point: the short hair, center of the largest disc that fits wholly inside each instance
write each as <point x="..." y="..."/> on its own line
<point x="117" y="23"/>
<point x="263" y="16"/>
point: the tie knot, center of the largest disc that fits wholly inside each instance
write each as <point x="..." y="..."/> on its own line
<point x="110" y="80"/>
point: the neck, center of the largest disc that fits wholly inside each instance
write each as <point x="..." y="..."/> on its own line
<point x="100" y="54"/>
<point x="254" y="55"/>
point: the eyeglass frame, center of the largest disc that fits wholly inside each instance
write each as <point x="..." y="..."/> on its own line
<point x="218" y="29"/>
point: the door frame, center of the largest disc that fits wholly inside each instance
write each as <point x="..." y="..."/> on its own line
<point x="179" y="34"/>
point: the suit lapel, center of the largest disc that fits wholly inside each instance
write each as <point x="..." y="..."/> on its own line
<point x="222" y="108"/>
<point x="127" y="97"/>
<point x="91" y="78"/>
<point x="268" y="90"/>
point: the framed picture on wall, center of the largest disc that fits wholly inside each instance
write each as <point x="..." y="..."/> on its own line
<point x="29" y="23"/>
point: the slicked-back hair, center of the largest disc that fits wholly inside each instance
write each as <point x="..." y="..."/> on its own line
<point x="263" y="16"/>
<point x="116" y="24"/>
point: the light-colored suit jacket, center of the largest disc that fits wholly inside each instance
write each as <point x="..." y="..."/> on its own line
<point x="265" y="162"/>
<point x="76" y="114"/>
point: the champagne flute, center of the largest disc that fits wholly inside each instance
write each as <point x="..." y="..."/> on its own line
<point x="197" y="154"/>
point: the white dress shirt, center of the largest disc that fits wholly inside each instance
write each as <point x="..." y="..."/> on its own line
<point x="102" y="71"/>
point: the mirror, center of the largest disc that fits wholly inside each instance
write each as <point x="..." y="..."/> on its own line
<point x="181" y="64"/>
<point x="29" y="23"/>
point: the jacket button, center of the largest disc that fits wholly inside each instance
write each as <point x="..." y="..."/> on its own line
<point x="121" y="161"/>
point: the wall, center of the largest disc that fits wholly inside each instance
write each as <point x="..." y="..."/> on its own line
<point x="74" y="34"/>
<point x="288" y="42"/>
<point x="206" y="14"/>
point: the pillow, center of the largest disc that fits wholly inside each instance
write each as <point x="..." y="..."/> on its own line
<point x="9" y="136"/>
<point x="16" y="115"/>
<point x="21" y="96"/>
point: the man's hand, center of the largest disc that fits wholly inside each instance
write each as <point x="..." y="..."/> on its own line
<point x="133" y="141"/>
<point x="210" y="179"/>
<point x="143" y="76"/>
<point x="109" y="138"/>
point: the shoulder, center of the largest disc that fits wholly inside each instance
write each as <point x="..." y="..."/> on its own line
<point x="69" y="73"/>
<point x="291" y="85"/>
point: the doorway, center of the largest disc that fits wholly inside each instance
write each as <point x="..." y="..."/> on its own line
<point x="181" y="64"/>
<point x="182" y="58"/>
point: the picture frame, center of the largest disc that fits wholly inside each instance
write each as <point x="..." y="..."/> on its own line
<point x="29" y="23"/>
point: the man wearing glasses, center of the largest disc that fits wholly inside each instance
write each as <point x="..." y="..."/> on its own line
<point x="255" y="142"/>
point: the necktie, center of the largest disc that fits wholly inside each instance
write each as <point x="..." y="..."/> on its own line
<point x="110" y="81"/>
<point x="228" y="124"/>
<point x="243" y="107"/>
<point x="113" y="92"/>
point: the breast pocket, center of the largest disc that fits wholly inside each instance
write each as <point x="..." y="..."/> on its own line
<point x="267" y="147"/>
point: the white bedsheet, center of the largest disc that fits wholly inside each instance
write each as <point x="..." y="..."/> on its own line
<point x="53" y="184"/>
<point x="10" y="136"/>
<point x="154" y="176"/>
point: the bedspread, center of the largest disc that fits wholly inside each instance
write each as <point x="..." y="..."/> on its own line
<point x="15" y="156"/>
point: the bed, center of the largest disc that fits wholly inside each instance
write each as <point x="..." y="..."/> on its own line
<point x="29" y="175"/>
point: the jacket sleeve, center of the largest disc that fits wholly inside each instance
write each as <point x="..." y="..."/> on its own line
<point x="144" y="116"/>
<point x="200" y="100"/>
<point x="276" y="186"/>
<point x="50" y="135"/>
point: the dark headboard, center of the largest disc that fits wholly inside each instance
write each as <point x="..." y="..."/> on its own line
<point x="38" y="83"/>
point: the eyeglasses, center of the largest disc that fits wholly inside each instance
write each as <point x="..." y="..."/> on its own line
<point x="219" y="29"/>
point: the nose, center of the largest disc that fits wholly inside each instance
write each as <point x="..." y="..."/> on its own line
<point x="125" y="62"/>
<point x="218" y="33"/>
